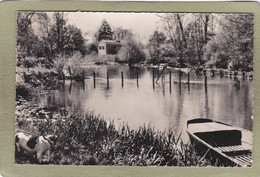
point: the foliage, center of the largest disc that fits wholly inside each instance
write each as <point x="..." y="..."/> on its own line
<point x="234" y="42"/>
<point x="86" y="139"/>
<point x="221" y="40"/>
<point x="131" y="52"/>
<point x="121" y="34"/>
<point x="40" y="36"/>
<point x="104" y="32"/>
<point x="187" y="34"/>
<point x="154" y="45"/>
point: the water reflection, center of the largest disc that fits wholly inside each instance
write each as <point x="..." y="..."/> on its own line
<point x="140" y="101"/>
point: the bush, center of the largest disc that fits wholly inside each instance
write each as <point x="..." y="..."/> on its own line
<point x="131" y="53"/>
<point x="29" y="62"/>
<point x="23" y="90"/>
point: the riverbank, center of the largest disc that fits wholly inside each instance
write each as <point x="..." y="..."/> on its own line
<point x="86" y="139"/>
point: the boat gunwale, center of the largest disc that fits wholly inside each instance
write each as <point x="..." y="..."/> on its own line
<point x="199" y="140"/>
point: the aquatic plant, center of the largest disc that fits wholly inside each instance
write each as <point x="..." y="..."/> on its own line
<point x="87" y="139"/>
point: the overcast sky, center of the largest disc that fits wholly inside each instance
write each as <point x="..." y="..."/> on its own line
<point x="141" y="24"/>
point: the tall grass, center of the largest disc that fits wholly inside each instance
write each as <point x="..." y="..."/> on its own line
<point x="86" y="139"/>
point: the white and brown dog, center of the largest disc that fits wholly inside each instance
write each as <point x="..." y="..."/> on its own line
<point x="35" y="145"/>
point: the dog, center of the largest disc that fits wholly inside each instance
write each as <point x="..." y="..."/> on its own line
<point x="35" y="145"/>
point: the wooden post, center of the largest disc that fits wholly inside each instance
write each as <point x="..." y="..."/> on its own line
<point x="70" y="88"/>
<point x="180" y="76"/>
<point x="107" y="80"/>
<point x="170" y="82"/>
<point x="137" y="80"/>
<point x="94" y="78"/>
<point x="83" y="75"/>
<point x="188" y="78"/>
<point x="122" y="77"/>
<point x="188" y="81"/>
<point x="221" y="73"/>
<point x="170" y="77"/>
<point x="153" y="80"/>
<point x="244" y="75"/>
<point x="70" y="73"/>
<point x="205" y="82"/>
<point x="63" y="77"/>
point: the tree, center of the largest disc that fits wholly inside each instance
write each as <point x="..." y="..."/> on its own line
<point x="25" y="35"/>
<point x="131" y="51"/>
<point x="188" y="35"/>
<point x="74" y="41"/>
<point x="121" y="34"/>
<point x="155" y="41"/>
<point x="233" y="44"/>
<point x="39" y="36"/>
<point x="57" y="31"/>
<point x="104" y="32"/>
<point x="173" y="26"/>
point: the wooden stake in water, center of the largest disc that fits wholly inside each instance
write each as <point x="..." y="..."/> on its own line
<point x="189" y="81"/>
<point x="180" y="76"/>
<point x="122" y="77"/>
<point x="94" y="79"/>
<point x="244" y="75"/>
<point x="153" y="80"/>
<point x="70" y="73"/>
<point x="170" y="81"/>
<point x="205" y="82"/>
<point x="188" y="78"/>
<point x="83" y="75"/>
<point x="137" y="80"/>
<point x="107" y="80"/>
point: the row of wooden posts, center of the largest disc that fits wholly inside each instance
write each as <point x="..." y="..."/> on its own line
<point x="154" y="82"/>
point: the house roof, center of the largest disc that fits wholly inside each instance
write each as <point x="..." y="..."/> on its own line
<point x="109" y="42"/>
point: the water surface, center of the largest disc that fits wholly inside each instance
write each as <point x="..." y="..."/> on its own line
<point x="162" y="105"/>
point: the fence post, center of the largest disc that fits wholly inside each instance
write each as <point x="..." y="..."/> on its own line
<point x="137" y="80"/>
<point x="153" y="80"/>
<point x="170" y="78"/>
<point x="244" y="75"/>
<point x="188" y="78"/>
<point x="70" y="73"/>
<point x="107" y="80"/>
<point x="94" y="79"/>
<point x="180" y="76"/>
<point x="205" y="74"/>
<point x="122" y="78"/>
<point x="83" y="75"/>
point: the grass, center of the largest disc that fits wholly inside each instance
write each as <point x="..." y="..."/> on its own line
<point x="86" y="139"/>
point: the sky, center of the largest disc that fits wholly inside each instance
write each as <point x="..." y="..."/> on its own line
<point x="141" y="24"/>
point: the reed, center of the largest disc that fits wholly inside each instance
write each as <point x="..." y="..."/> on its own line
<point x="87" y="139"/>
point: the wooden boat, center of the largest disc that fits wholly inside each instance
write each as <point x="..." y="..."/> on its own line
<point x="225" y="144"/>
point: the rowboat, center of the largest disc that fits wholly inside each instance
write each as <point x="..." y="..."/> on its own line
<point x="224" y="144"/>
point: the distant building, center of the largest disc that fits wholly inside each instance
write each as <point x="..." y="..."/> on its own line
<point x="108" y="47"/>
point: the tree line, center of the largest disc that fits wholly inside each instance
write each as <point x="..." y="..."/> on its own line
<point x="184" y="39"/>
<point x="42" y="35"/>
<point x="209" y="40"/>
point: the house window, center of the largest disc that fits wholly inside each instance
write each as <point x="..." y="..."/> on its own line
<point x="101" y="47"/>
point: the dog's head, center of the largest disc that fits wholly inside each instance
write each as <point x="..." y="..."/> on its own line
<point x="52" y="138"/>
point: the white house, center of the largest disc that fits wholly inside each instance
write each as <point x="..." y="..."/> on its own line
<point x="108" y="47"/>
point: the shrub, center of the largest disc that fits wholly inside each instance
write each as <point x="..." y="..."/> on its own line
<point x="131" y="52"/>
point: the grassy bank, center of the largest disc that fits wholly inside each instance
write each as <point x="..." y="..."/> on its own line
<point x="86" y="139"/>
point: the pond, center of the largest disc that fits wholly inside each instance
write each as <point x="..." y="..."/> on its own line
<point x="162" y="105"/>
